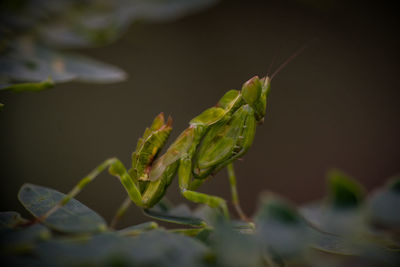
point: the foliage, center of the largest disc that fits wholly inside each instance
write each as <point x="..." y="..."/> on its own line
<point x="334" y="231"/>
<point x="35" y="31"/>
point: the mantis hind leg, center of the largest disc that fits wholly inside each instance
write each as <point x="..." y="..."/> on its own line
<point x="235" y="196"/>
<point x="121" y="211"/>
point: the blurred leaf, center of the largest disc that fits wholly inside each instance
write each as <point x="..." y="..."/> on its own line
<point x="91" y="251"/>
<point x="394" y="184"/>
<point x="384" y="205"/>
<point x="29" y="62"/>
<point x="180" y="214"/>
<point x="102" y="22"/>
<point x="30" y="28"/>
<point x="161" y="248"/>
<point x="153" y="248"/>
<point x="232" y="248"/>
<point x="138" y="229"/>
<point x="341" y="213"/>
<point x="10" y="219"/>
<point x="281" y="228"/>
<point x="74" y="217"/>
<point x="336" y="221"/>
<point x="23" y="240"/>
<point x="21" y="87"/>
<point x="345" y="192"/>
<point x="74" y="23"/>
<point x="331" y="243"/>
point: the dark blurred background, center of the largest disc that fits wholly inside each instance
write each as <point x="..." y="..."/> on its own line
<point x="335" y="106"/>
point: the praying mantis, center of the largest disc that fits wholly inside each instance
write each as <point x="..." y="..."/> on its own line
<point x="213" y="141"/>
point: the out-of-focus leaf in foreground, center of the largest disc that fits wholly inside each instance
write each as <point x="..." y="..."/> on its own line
<point x="27" y="61"/>
<point x="233" y="248"/>
<point x="384" y="206"/>
<point x="280" y="228"/>
<point x="180" y="214"/>
<point x="32" y="30"/>
<point x="341" y="212"/>
<point x="154" y="248"/>
<point x="102" y="22"/>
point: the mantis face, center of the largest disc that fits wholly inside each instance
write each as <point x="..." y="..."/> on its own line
<point x="254" y="93"/>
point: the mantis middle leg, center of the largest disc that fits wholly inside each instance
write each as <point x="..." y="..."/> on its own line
<point x="235" y="196"/>
<point x="184" y="173"/>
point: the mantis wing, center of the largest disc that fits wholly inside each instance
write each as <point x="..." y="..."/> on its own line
<point x="188" y="139"/>
<point x="174" y="153"/>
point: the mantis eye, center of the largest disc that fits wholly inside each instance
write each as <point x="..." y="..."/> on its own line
<point x="251" y="90"/>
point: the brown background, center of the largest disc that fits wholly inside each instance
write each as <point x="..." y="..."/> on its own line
<point x="336" y="105"/>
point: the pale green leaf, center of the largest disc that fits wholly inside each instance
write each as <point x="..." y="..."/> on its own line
<point x="74" y="217"/>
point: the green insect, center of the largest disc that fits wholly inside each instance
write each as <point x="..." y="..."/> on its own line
<point x="213" y="140"/>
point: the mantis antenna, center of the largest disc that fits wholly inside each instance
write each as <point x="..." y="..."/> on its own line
<point x="289" y="59"/>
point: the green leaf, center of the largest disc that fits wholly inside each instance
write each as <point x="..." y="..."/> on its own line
<point x="153" y="248"/>
<point x="23" y="240"/>
<point x="232" y="248"/>
<point x="344" y="191"/>
<point x="101" y="22"/>
<point x="80" y="251"/>
<point x="38" y="63"/>
<point x="328" y="218"/>
<point x="74" y="217"/>
<point x="331" y="243"/>
<point x="138" y="229"/>
<point x="72" y="24"/>
<point x="286" y="233"/>
<point x="281" y="228"/>
<point x="384" y="205"/>
<point x="180" y="214"/>
<point x="394" y="184"/>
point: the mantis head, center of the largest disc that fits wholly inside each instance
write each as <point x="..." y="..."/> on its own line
<point x="255" y="92"/>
